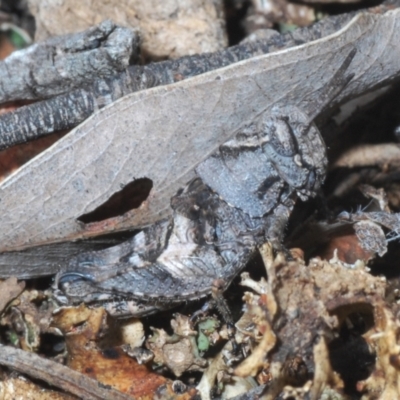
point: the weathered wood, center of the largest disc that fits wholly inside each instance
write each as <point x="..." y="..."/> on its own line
<point x="62" y="63"/>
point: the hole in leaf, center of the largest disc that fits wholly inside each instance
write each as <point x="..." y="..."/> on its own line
<point x="131" y="196"/>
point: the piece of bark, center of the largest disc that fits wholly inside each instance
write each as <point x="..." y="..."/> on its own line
<point x="63" y="63"/>
<point x="170" y="28"/>
<point x="68" y="110"/>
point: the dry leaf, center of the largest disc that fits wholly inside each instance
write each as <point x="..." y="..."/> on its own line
<point x="155" y="134"/>
<point x="83" y="329"/>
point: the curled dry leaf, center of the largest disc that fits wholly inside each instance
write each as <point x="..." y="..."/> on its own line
<point x="368" y="228"/>
<point x="361" y="241"/>
<point x="353" y="236"/>
<point x="371" y="237"/>
<point x="347" y="247"/>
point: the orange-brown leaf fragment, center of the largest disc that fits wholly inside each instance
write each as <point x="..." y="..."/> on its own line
<point x="91" y="344"/>
<point x="347" y="247"/>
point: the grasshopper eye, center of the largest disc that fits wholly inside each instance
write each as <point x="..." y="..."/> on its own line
<point x="281" y="136"/>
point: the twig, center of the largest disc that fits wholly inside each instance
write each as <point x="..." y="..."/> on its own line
<point x="58" y="375"/>
<point x="70" y="109"/>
